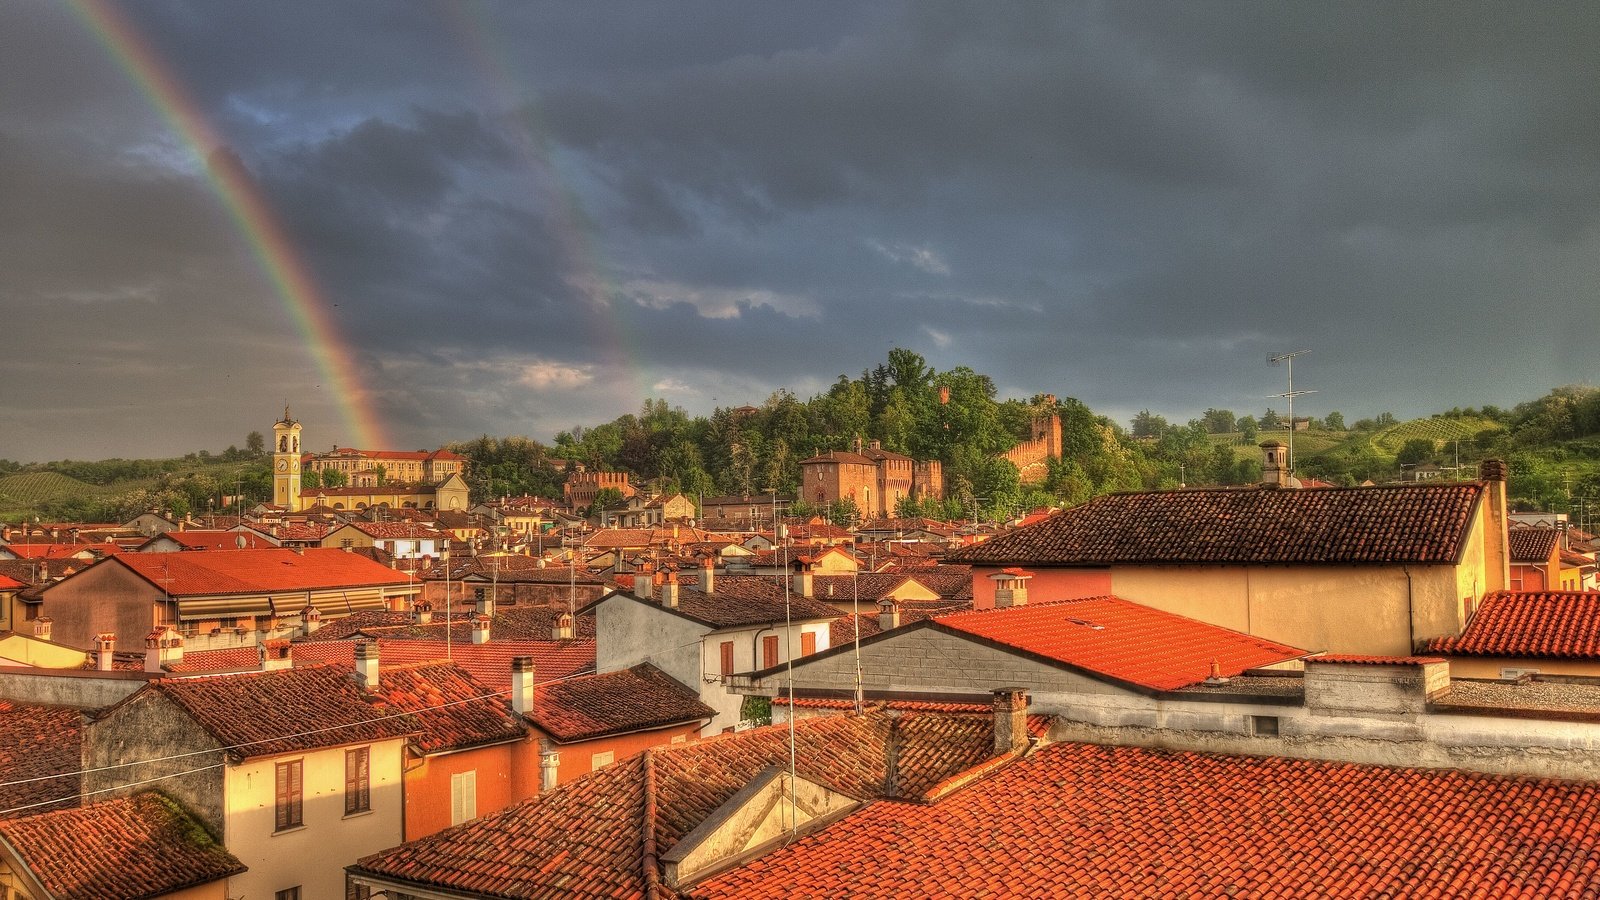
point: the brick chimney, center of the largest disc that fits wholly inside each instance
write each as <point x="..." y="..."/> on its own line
<point x="310" y="620"/>
<point x="708" y="575"/>
<point x="888" y="614"/>
<point x="367" y="665"/>
<point x="276" y="655"/>
<point x="1275" y="464"/>
<point x="669" y="591"/>
<point x="1492" y="472"/>
<point x="41" y="627"/>
<point x="480" y="629"/>
<point x="1010" y="719"/>
<point x="105" y="646"/>
<point x="563" y="628"/>
<point x="522" y="679"/>
<point x="1010" y="588"/>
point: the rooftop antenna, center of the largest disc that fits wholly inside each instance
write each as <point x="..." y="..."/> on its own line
<point x="788" y="640"/>
<point x="1290" y="394"/>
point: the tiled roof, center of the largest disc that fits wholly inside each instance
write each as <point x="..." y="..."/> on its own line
<point x="391" y="530"/>
<point x="1349" y="659"/>
<point x="618" y="538"/>
<point x="950" y="582"/>
<point x="488" y="663"/>
<point x="843" y="629"/>
<point x="127" y="848"/>
<point x="600" y="835"/>
<point x="254" y="571"/>
<point x="246" y="659"/>
<point x="1533" y="545"/>
<point x="1121" y="640"/>
<point x="38" y="741"/>
<point x="287" y="711"/>
<point x="7" y="583"/>
<point x="1541" y="624"/>
<point x="635" y="699"/>
<point x="737" y="601"/>
<point x="510" y="623"/>
<point x="1078" y="820"/>
<point x="61" y="551"/>
<point x="1325" y="526"/>
<point x="203" y="540"/>
<point x="452" y="709"/>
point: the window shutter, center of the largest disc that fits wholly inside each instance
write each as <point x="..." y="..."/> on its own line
<point x="727" y="657"/>
<point x="769" y="651"/>
<point x="808" y="643"/>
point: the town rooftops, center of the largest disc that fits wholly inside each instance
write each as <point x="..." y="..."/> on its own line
<point x="1534" y="624"/>
<point x="1533" y="545"/>
<point x="736" y="602"/>
<point x="605" y="833"/>
<point x="1082" y="820"/>
<point x="127" y="848"/>
<point x="201" y="540"/>
<point x="452" y="709"/>
<point x="1122" y="640"/>
<point x="40" y="755"/>
<point x="391" y="530"/>
<point x="1420" y="524"/>
<point x="488" y="663"/>
<point x="635" y="699"/>
<point x="287" y="711"/>
<point x="267" y="570"/>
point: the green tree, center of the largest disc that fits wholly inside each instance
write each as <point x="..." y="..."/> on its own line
<point x="1148" y="425"/>
<point x="1270" y="420"/>
<point x="1219" y="421"/>
<point x="333" y="478"/>
<point x="1414" y="451"/>
<point x="1334" y="421"/>
<point x="255" y="444"/>
<point x="843" y="512"/>
<point x="310" y="479"/>
<point x="1249" y="431"/>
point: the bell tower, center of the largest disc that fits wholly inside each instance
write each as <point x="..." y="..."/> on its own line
<point x="286" y="462"/>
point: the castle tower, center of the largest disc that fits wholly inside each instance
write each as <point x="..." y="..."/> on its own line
<point x="286" y="462"/>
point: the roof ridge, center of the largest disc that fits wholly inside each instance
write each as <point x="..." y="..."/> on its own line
<point x="648" y="817"/>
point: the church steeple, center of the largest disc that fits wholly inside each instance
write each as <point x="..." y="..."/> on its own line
<point x="286" y="462"/>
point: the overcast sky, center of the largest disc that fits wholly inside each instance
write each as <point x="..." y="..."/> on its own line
<point x="532" y="216"/>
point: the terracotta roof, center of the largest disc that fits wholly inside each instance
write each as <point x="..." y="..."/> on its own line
<point x="287" y="711"/>
<point x="1324" y="526"/>
<point x="1121" y="640"/>
<point x="601" y="834"/>
<point x="127" y="848"/>
<point x="949" y="582"/>
<point x="1533" y="545"/>
<point x="491" y="663"/>
<point x="391" y="530"/>
<point x="202" y="540"/>
<point x="38" y="741"/>
<point x="1539" y="624"/>
<point x="1079" y="820"/>
<point x="736" y="602"/>
<point x="248" y="659"/>
<point x="635" y="699"/>
<point x="453" y="710"/>
<point x="619" y="538"/>
<point x="255" y="571"/>
<point x="843" y="629"/>
<point x="509" y="623"/>
<point x="7" y="583"/>
<point x="61" y="551"/>
<point x="1349" y="659"/>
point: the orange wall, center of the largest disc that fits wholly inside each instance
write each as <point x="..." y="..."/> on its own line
<point x="507" y="773"/>
<point x="577" y="759"/>
<point x="1526" y="577"/>
<point x="1046" y="585"/>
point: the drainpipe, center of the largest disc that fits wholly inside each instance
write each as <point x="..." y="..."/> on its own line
<point x="1411" y="620"/>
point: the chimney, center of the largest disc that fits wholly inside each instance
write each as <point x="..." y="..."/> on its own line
<point x="1010" y="588"/>
<point x="522" y="673"/>
<point x="563" y="628"/>
<point x="485" y="603"/>
<point x="669" y="591"/>
<point x="162" y="647"/>
<point x="276" y="655"/>
<point x="804" y="585"/>
<point x="1492" y="472"/>
<point x="367" y="665"/>
<point x="708" y="575"/>
<point x="549" y="766"/>
<point x="104" y="646"/>
<point x="888" y="614"/>
<point x="422" y="612"/>
<point x="1010" y="719"/>
<point x="310" y="620"/>
<point x="1275" y="464"/>
<point x="642" y="582"/>
<point x="41" y="627"/>
<point x="480" y="629"/>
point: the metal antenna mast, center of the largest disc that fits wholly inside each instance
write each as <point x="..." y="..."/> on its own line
<point x="1288" y="359"/>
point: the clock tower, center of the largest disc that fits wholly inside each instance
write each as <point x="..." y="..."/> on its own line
<point x="286" y="462"/>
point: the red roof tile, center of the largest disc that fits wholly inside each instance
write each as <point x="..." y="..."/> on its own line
<point x="589" y="838"/>
<point x="1324" y="526"/>
<point x="741" y="600"/>
<point x="1077" y="820"/>
<point x="255" y="571"/>
<point x="1539" y="624"/>
<point x="128" y="848"/>
<point x="38" y="742"/>
<point x="1347" y="659"/>
<point x="635" y="699"/>
<point x="1533" y="545"/>
<point x="1121" y="640"/>
<point x="453" y="710"/>
<point x="10" y="584"/>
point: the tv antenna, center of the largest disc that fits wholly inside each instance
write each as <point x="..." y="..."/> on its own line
<point x="1290" y="394"/>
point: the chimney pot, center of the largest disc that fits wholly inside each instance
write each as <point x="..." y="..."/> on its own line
<point x="888" y="614"/>
<point x="563" y="627"/>
<point x="42" y="627"/>
<point x="1010" y="719"/>
<point x="522" y="680"/>
<point x="669" y="591"/>
<point x="105" y="646"/>
<point x="310" y="619"/>
<point x="480" y="629"/>
<point x="367" y="664"/>
<point x="276" y="655"/>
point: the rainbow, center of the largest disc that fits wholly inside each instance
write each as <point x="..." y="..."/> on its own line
<point x="274" y="251"/>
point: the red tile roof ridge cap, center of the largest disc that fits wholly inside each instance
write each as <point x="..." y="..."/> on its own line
<point x="647" y="820"/>
<point x="1026" y="606"/>
<point x="1357" y="659"/>
<point x="968" y="777"/>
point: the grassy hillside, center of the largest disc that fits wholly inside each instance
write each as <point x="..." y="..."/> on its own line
<point x="30" y="488"/>
<point x="1439" y="429"/>
<point x="40" y="490"/>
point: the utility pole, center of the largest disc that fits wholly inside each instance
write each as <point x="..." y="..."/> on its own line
<point x="1288" y="358"/>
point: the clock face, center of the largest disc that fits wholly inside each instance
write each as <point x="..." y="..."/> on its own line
<point x="283" y="465"/>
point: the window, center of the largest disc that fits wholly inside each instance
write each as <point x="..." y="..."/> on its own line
<point x="290" y="803"/>
<point x="463" y="797"/>
<point x="727" y="658"/>
<point x="600" y="760"/>
<point x="357" y="781"/>
<point x="769" y="651"/>
<point x="287" y="894"/>
<point x="808" y="643"/>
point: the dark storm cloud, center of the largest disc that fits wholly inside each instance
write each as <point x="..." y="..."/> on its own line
<point x="528" y="216"/>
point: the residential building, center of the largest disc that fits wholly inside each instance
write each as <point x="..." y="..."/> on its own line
<point x="1520" y="633"/>
<point x="451" y="493"/>
<point x="875" y="479"/>
<point x="1536" y="560"/>
<point x="401" y="540"/>
<point x="397" y="466"/>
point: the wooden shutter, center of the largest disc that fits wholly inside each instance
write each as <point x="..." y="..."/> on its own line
<point x="727" y="658"/>
<point x="769" y="651"/>
<point x="463" y="797"/>
<point x="357" y="780"/>
<point x="288" y="798"/>
<point x="808" y="643"/>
